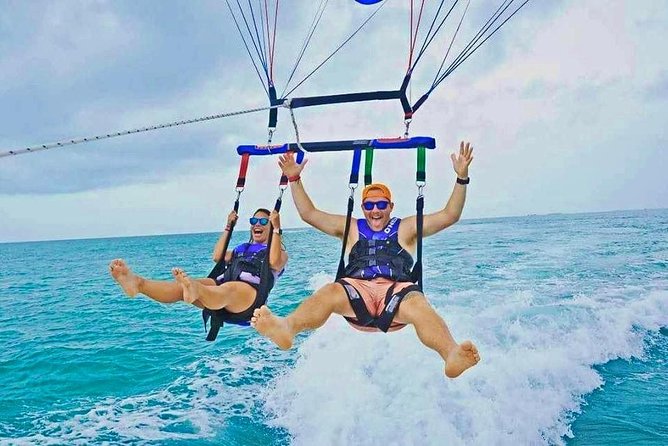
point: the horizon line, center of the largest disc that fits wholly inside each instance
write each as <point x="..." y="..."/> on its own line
<point x="306" y="226"/>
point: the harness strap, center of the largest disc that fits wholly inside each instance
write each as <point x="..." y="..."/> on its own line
<point x="354" y="178"/>
<point x="405" y="104"/>
<point x="216" y="323"/>
<point x="273" y="113"/>
<point x="221" y="266"/>
<point x="392" y="301"/>
<point x="342" y="265"/>
<point x="420" y="181"/>
<point x="266" y="279"/>
<point x="362" y="316"/>
<point x="219" y="317"/>
<point x="416" y="273"/>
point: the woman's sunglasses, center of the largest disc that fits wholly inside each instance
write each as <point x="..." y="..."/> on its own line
<point x="381" y="205"/>
<point x="263" y="221"/>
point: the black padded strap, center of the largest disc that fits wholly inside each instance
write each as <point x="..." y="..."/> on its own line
<point x="219" y="317"/>
<point x="416" y="273"/>
<point x="346" y="98"/>
<point x="221" y="266"/>
<point x="273" y="113"/>
<point x="392" y="301"/>
<point x="216" y="323"/>
<point x="346" y="231"/>
<point x="266" y="274"/>
<point x="362" y="316"/>
<point x="420" y="101"/>
<point x="405" y="104"/>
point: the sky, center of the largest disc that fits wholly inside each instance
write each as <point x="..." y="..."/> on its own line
<point x="566" y="108"/>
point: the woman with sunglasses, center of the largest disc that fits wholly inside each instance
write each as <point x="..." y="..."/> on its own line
<point x="236" y="289"/>
<point x="376" y="291"/>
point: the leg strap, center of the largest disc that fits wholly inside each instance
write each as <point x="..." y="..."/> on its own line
<point x="216" y="323"/>
<point x="362" y="316"/>
<point x="392" y="301"/>
<point x="219" y="317"/>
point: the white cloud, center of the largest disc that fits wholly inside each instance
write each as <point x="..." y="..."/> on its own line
<point x="61" y="42"/>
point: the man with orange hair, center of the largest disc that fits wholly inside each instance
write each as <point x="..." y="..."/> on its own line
<point x="377" y="291"/>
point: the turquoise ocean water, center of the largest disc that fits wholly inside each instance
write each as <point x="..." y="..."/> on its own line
<point x="569" y="312"/>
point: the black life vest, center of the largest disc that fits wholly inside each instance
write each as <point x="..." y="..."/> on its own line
<point x="246" y="265"/>
<point x="379" y="254"/>
<point x="249" y="264"/>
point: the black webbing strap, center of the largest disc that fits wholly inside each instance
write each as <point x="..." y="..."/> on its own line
<point x="346" y="98"/>
<point x="216" y="323"/>
<point x="420" y="181"/>
<point x="352" y="184"/>
<point x="405" y="104"/>
<point x="392" y="301"/>
<point x="220" y="267"/>
<point x="362" y="316"/>
<point x="273" y="113"/>
<point x="263" y="290"/>
<point x="346" y="231"/>
<point x="217" y="271"/>
<point x="416" y="273"/>
<point x="420" y="101"/>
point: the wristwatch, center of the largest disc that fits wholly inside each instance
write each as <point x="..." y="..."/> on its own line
<point x="278" y="231"/>
<point x="464" y="181"/>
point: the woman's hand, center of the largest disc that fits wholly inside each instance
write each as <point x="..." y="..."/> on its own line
<point x="275" y="219"/>
<point x="232" y="219"/>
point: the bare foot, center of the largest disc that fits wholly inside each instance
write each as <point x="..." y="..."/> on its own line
<point x="273" y="327"/>
<point x="462" y="357"/>
<point x="124" y="276"/>
<point x="190" y="292"/>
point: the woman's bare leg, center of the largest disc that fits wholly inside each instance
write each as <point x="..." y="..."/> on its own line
<point x="233" y="296"/>
<point x="163" y="291"/>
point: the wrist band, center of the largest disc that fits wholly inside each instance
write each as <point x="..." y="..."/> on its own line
<point x="293" y="179"/>
<point x="463" y="181"/>
<point x="227" y="228"/>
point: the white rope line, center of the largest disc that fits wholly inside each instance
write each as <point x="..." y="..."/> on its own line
<point x="288" y="104"/>
<point x="72" y="142"/>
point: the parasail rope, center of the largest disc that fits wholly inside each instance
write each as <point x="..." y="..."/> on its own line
<point x="71" y="142"/>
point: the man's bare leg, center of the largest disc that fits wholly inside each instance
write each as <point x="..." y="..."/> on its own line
<point x="312" y="313"/>
<point x="159" y="290"/>
<point x="434" y="333"/>
<point x="234" y="296"/>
